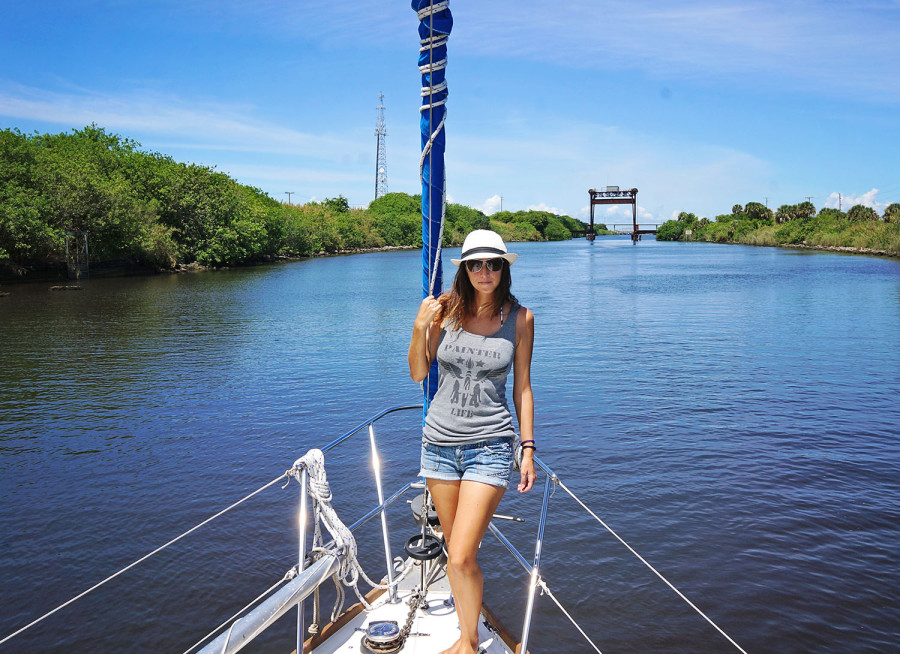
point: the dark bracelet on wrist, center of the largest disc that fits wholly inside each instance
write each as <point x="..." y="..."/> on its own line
<point x="529" y="447"/>
<point x="528" y="441"/>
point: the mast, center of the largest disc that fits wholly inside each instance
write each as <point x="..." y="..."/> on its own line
<point x="435" y="23"/>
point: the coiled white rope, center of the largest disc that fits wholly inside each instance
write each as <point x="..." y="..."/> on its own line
<point x="142" y="559"/>
<point x="344" y="543"/>
<point x="432" y="9"/>
<point x="652" y="569"/>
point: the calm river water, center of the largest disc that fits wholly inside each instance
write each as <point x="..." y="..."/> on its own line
<point x="732" y="412"/>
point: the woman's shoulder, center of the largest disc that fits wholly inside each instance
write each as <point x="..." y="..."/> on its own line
<point x="521" y="309"/>
<point x="524" y="317"/>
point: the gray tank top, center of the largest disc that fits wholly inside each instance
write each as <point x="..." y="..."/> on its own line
<point x="470" y="403"/>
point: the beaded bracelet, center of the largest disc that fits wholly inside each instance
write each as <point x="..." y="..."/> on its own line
<point x="529" y="447"/>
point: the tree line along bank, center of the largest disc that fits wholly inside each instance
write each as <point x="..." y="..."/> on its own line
<point x="147" y="208"/>
<point x="859" y="228"/>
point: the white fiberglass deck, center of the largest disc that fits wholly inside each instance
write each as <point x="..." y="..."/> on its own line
<point x="433" y="630"/>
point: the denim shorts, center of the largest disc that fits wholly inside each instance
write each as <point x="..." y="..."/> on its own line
<point x="486" y="461"/>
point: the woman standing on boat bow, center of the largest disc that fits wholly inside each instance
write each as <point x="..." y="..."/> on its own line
<point x="477" y="332"/>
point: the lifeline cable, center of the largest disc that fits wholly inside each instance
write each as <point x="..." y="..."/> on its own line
<point x="546" y="589"/>
<point x="142" y="559"/>
<point x="652" y="569"/>
<point x="290" y="574"/>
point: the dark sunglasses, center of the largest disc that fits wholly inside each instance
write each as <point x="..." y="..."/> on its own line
<point x="494" y="265"/>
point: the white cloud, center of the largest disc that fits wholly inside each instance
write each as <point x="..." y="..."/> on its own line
<point x="544" y="207"/>
<point x="200" y="124"/>
<point x="554" y="168"/>
<point x="844" y="201"/>
<point x="491" y="206"/>
<point x="643" y="214"/>
<point x="232" y="137"/>
<point x="279" y="159"/>
<point x="288" y="174"/>
<point x="698" y="38"/>
<point x="821" y="46"/>
<point x="623" y="213"/>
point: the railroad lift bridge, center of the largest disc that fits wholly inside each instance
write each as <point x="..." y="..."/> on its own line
<point x="614" y="195"/>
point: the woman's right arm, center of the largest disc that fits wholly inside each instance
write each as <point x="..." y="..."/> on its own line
<point x="423" y="345"/>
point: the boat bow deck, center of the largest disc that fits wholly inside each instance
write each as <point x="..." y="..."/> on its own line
<point x="433" y="629"/>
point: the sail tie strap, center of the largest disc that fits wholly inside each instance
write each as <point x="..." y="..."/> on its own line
<point x="436" y="98"/>
<point x="433" y="8"/>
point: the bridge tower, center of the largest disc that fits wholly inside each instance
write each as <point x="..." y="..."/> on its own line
<point x="612" y="195"/>
<point x="381" y="185"/>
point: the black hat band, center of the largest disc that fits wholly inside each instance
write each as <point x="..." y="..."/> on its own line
<point x="483" y="250"/>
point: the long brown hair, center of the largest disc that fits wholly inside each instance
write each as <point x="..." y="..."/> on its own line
<point x="460" y="301"/>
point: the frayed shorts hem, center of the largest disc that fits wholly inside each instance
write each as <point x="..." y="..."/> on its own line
<point x="488" y="462"/>
<point x="484" y="479"/>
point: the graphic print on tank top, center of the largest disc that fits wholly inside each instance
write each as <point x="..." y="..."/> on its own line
<point x="468" y="375"/>
<point x="470" y="402"/>
<point x="470" y="368"/>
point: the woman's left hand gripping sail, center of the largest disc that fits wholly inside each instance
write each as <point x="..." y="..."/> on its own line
<point x="423" y="345"/>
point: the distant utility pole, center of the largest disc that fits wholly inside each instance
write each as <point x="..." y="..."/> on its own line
<point x="289" y="194"/>
<point x="767" y="203"/>
<point x="809" y="197"/>
<point x="501" y="204"/>
<point x="840" y="200"/>
<point x="381" y="185"/>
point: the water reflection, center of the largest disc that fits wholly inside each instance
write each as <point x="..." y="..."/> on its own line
<point x="732" y="411"/>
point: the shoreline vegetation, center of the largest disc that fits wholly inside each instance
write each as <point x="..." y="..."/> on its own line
<point x="144" y="212"/>
<point x="860" y="230"/>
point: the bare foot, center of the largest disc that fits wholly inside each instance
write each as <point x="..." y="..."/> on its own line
<point x="462" y="647"/>
<point x="454" y="648"/>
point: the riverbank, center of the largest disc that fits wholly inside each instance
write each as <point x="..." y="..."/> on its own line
<point x="57" y="271"/>
<point x="91" y="191"/>
<point x="804" y="246"/>
<point x="854" y="232"/>
<point x="843" y="249"/>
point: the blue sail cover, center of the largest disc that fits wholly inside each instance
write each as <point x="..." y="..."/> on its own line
<point x="435" y="23"/>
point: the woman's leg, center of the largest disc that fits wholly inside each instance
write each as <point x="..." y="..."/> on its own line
<point x="445" y="495"/>
<point x="475" y="505"/>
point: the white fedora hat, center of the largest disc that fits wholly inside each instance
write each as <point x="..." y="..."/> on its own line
<point x="484" y="244"/>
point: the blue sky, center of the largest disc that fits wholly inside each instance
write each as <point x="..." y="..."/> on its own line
<point x="700" y="104"/>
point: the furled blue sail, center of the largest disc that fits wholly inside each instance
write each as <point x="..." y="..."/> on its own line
<point x="435" y="23"/>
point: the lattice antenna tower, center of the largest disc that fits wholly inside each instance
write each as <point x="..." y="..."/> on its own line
<point x="381" y="185"/>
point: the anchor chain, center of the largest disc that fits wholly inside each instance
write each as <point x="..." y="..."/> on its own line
<point x="416" y="601"/>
